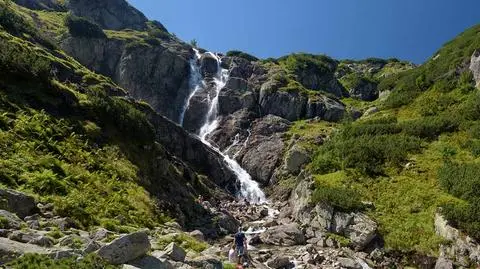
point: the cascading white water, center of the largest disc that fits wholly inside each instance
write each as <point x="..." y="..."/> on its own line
<point x="249" y="189"/>
<point x="195" y="83"/>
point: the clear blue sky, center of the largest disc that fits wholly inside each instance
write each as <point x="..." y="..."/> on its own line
<point x="407" y="29"/>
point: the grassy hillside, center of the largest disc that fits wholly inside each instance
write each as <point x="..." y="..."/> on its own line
<point x="419" y="153"/>
<point x="69" y="137"/>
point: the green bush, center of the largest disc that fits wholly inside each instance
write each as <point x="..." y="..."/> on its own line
<point x="82" y="27"/>
<point x="340" y="198"/>
<point x="22" y="61"/>
<point x="36" y="261"/>
<point x="462" y="180"/>
<point x="430" y="127"/>
<point x="241" y="54"/>
<point x="158" y="33"/>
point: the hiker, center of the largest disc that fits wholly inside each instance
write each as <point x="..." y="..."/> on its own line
<point x="240" y="245"/>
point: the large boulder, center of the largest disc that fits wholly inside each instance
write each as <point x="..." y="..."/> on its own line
<point x="279" y="262"/>
<point x="19" y="203"/>
<point x="361" y="231"/>
<point x="9" y="220"/>
<point x="443" y="263"/>
<point x="285" y="235"/>
<point x="109" y="14"/>
<point x="325" y="108"/>
<point x="475" y="67"/>
<point x="295" y="159"/>
<point x="175" y="252"/>
<point x="10" y="249"/>
<point x="126" y="248"/>
<point x="205" y="262"/>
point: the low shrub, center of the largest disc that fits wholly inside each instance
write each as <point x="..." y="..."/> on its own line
<point x="36" y="261"/>
<point x="462" y="181"/>
<point x="241" y="54"/>
<point x="341" y="198"/>
<point x="82" y="27"/>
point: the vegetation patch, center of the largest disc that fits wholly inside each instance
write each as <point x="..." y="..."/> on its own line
<point x="82" y="27"/>
<point x="36" y="261"/>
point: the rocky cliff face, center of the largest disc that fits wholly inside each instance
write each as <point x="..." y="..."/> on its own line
<point x="157" y="74"/>
<point x="109" y="14"/>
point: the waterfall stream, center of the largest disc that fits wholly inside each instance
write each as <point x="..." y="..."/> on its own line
<point x="250" y="189"/>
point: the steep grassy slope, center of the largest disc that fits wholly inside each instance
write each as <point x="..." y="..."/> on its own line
<point x="419" y="153"/>
<point x="71" y="137"/>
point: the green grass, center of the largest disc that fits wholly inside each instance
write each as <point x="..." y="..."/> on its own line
<point x="183" y="240"/>
<point x="35" y="261"/>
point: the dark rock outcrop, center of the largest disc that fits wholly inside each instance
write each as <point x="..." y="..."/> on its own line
<point x="109" y="14"/>
<point x="19" y="203"/>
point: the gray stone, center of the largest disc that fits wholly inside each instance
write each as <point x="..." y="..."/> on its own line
<point x="295" y="159"/>
<point x="279" y="262"/>
<point x="33" y="224"/>
<point x="64" y="254"/>
<point x="475" y="67"/>
<point x="206" y="262"/>
<point x="361" y="231"/>
<point x="197" y="235"/>
<point x="23" y="236"/>
<point x="109" y="14"/>
<point x="370" y="111"/>
<point x="11" y="249"/>
<point x="10" y="220"/>
<point x="19" y="203"/>
<point x="150" y="262"/>
<point x="444" y="263"/>
<point x="126" y="248"/>
<point x="340" y="222"/>
<point x="91" y="246"/>
<point x="43" y="241"/>
<point x="176" y="253"/>
<point x="100" y="234"/>
<point x="348" y="263"/>
<point x="285" y="235"/>
<point x="73" y="241"/>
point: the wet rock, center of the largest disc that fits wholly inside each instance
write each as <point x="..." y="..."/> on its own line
<point x="279" y="262"/>
<point x="255" y="240"/>
<point x="10" y="220"/>
<point x="285" y="235"/>
<point x="227" y="222"/>
<point x="19" y="203"/>
<point x="209" y="65"/>
<point x="174" y="252"/>
<point x="126" y="248"/>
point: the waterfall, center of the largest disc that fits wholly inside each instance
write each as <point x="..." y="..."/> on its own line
<point x="195" y="83"/>
<point x="249" y="189"/>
